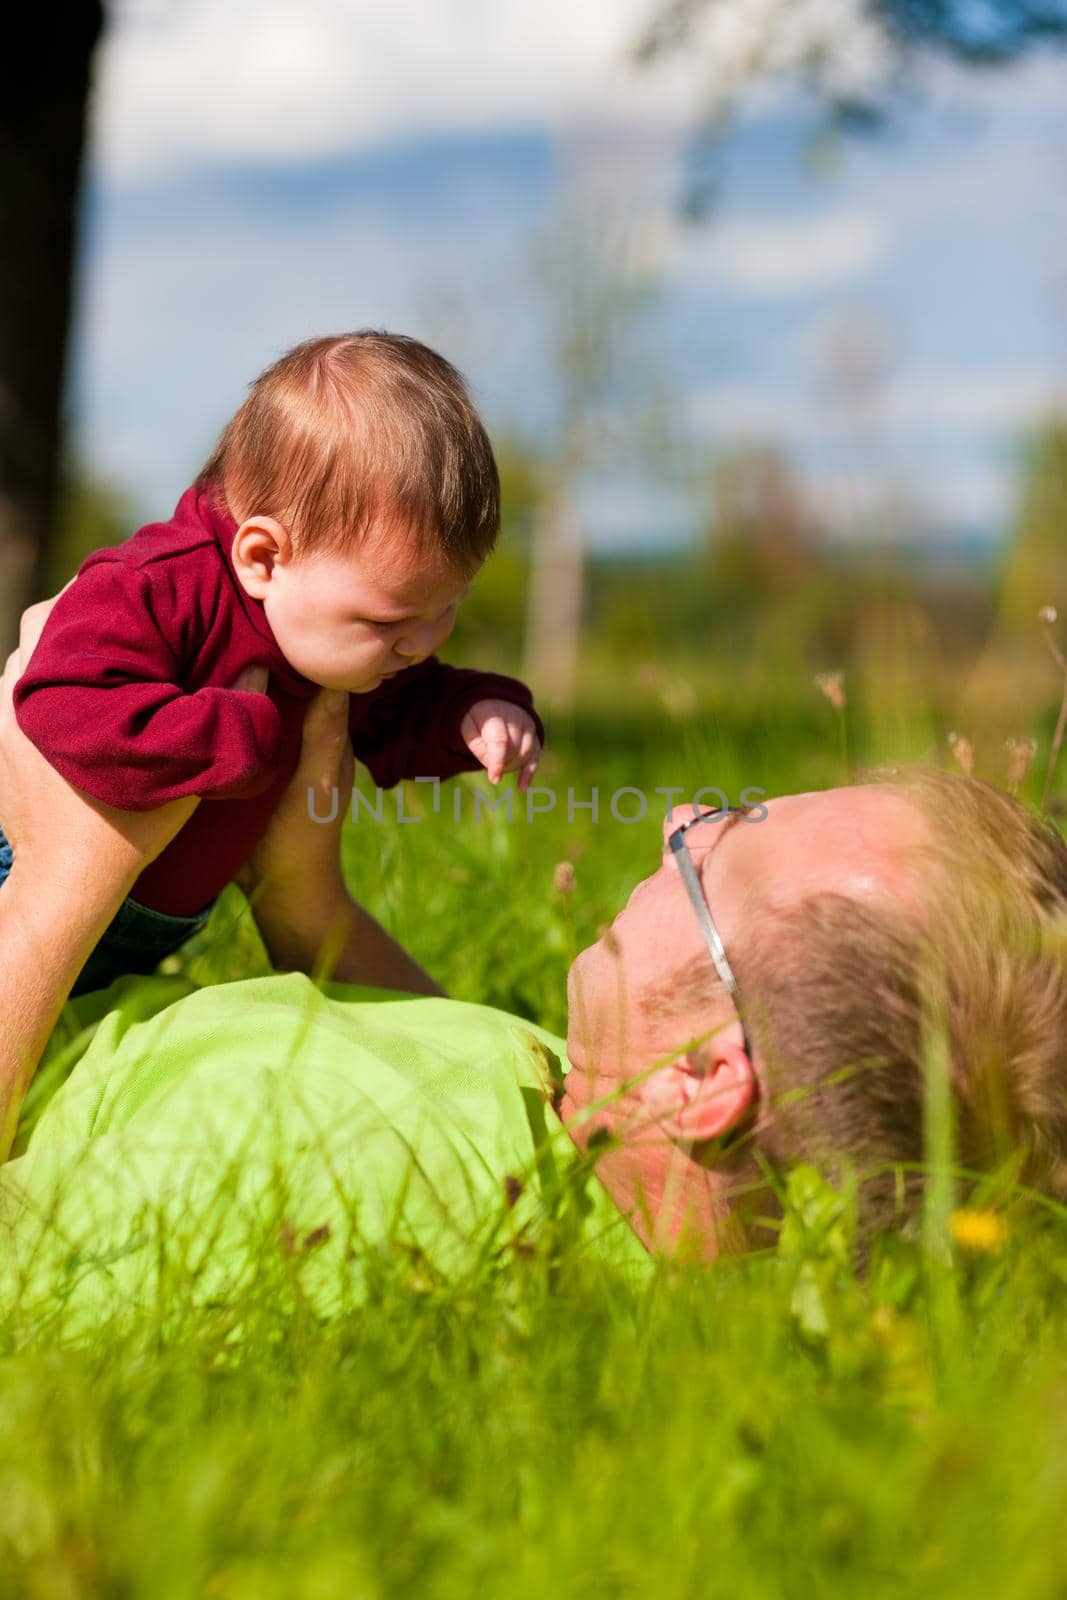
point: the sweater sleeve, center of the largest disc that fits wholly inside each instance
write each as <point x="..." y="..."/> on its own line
<point x="103" y="702"/>
<point x="409" y="728"/>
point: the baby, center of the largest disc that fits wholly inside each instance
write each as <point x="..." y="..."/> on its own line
<point x="328" y="540"/>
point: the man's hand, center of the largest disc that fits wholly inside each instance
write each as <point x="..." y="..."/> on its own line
<point x="504" y="739"/>
<point x="308" y="919"/>
<point x="298" y="860"/>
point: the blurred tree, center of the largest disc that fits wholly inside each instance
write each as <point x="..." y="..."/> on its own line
<point x="42" y="129"/>
<point x="762" y="538"/>
<point x="983" y="31"/>
<point x="851" y="54"/>
<point x="1035" y="572"/>
<point x="1013" y="684"/>
<point x="89" y="515"/>
<point x="766" y="586"/>
<point x="489" y="624"/>
<point x="600" y="273"/>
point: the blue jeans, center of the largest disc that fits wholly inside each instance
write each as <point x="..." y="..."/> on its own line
<point x="136" y="939"/>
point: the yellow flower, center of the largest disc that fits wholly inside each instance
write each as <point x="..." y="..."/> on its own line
<point x="981" y="1231"/>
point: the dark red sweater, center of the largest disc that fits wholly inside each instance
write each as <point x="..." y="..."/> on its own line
<point x="127" y="695"/>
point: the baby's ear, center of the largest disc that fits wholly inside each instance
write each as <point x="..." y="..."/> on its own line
<point x="258" y="544"/>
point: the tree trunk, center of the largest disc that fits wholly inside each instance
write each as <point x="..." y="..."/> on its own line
<point x="47" y="59"/>
<point x="554" y="607"/>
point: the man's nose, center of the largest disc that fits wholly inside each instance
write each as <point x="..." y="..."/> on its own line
<point x="683" y="812"/>
<point x="674" y="819"/>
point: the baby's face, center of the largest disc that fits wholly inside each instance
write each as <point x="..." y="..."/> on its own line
<point x="351" y="621"/>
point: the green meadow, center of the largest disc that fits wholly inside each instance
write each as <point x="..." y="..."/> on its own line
<point x="774" y="1425"/>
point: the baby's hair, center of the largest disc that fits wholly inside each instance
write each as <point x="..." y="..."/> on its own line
<point x="357" y="427"/>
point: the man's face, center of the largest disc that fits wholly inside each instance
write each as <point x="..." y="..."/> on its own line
<point x="352" y="621"/>
<point x="627" y="1007"/>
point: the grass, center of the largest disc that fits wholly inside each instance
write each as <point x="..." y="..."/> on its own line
<point x="770" y="1427"/>
<point x="558" y="1434"/>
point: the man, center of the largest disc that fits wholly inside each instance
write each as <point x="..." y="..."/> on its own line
<point x="774" y="988"/>
<point x="819" y="957"/>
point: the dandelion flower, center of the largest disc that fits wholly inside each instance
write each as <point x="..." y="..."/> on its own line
<point x="980" y="1231"/>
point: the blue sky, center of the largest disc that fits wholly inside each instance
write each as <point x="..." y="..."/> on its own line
<point x="937" y="251"/>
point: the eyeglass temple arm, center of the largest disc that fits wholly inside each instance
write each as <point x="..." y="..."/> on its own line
<point x="714" y="943"/>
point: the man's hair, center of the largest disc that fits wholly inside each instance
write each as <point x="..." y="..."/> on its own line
<point x="357" y="426"/>
<point x="848" y="999"/>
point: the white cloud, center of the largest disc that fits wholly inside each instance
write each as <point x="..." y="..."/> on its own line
<point x="850" y="503"/>
<point x="878" y="478"/>
<point x="267" y="80"/>
<point x="1032" y="87"/>
<point x="776" y="257"/>
<point x="743" y="410"/>
<point x="254" y="80"/>
<point x="928" y="402"/>
<point x="990" y="402"/>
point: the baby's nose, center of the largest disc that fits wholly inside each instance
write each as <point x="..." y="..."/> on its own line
<point x="416" y="642"/>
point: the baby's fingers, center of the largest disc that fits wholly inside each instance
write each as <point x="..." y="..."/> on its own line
<point x="529" y="765"/>
<point x="497" y="745"/>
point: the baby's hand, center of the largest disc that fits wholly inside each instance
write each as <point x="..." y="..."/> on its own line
<point x="503" y="737"/>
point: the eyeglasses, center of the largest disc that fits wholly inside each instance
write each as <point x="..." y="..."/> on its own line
<point x="679" y="846"/>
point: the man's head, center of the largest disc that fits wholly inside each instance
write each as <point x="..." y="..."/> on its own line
<point x="366" y="497"/>
<point x="857" y="922"/>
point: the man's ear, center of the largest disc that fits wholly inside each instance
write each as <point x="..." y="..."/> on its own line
<point x="718" y="1085"/>
<point x="258" y="543"/>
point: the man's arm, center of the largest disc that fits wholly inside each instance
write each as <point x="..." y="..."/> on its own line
<point x="75" y="861"/>
<point x="46" y="938"/>
<point x="305" y="914"/>
<point x="342" y="945"/>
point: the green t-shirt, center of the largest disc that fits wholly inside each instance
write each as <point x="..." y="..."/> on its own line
<point x="198" y="1136"/>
